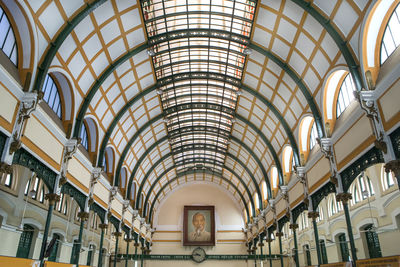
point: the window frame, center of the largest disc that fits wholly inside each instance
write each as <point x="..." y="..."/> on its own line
<point x="396" y="12"/>
<point x="13" y="30"/>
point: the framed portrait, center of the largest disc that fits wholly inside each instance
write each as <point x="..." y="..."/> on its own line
<point x="198" y="226"/>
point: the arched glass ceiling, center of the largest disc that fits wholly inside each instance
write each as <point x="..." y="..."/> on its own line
<point x="189" y="59"/>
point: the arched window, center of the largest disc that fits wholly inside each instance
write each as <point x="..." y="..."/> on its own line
<point x="25" y="242"/>
<point x="84" y="137"/>
<point x="387" y="179"/>
<point x="250" y="209"/>
<point x="104" y="163"/>
<point x="264" y="190"/>
<point x="133" y="191"/>
<point x="7" y="179"/>
<point x="52" y="95"/>
<point x="256" y="203"/>
<point x="274" y="177"/>
<point x="391" y="36"/>
<point x="313" y="136"/>
<point x="344" y="249"/>
<point x="7" y="38"/>
<point x="123" y="178"/>
<point x="366" y="188"/>
<point x="345" y="95"/>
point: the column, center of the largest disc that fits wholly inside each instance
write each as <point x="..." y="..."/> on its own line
<point x="255" y="252"/>
<point x="261" y="244"/>
<point x="136" y="244"/>
<point x="279" y="235"/>
<point x="83" y="216"/>
<point x="143" y="248"/>
<point x="103" y="228"/>
<point x="52" y="198"/>
<point x="345" y="197"/>
<point x="294" y="226"/>
<point x="269" y="240"/>
<point x="128" y="240"/>
<point x="314" y="215"/>
<point x="117" y="235"/>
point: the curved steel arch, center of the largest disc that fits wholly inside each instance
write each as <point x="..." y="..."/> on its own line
<point x="340" y="42"/>
<point x="299" y="82"/>
<point x="155" y="144"/>
<point x="59" y="40"/>
<point x="160" y="116"/>
<point x="215" y="76"/>
<point x="88" y="98"/>
<point x="171" y="168"/>
<point x="285" y="125"/>
<point x="269" y="145"/>
<point x="182" y="174"/>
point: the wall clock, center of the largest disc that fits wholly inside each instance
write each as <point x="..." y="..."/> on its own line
<point x="198" y="255"/>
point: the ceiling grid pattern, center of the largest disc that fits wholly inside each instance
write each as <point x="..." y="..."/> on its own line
<point x="186" y="62"/>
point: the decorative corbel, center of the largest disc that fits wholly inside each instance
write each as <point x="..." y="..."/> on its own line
<point x="28" y="104"/>
<point x="69" y="150"/>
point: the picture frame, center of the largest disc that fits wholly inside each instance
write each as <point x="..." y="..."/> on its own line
<point x="199" y="226"/>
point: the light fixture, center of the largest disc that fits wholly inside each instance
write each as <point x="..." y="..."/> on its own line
<point x="151" y="52"/>
<point x="239" y="92"/>
<point x="159" y="91"/>
<point x="233" y="120"/>
<point x="247" y="51"/>
<point x="166" y="120"/>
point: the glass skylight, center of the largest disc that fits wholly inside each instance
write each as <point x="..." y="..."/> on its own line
<point x="198" y="57"/>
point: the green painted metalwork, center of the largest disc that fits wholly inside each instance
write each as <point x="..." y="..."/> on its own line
<point x="282" y="120"/>
<point x="78" y="196"/>
<point x="100" y="260"/>
<point x="268" y="143"/>
<point x="114" y="123"/>
<point x="3" y="139"/>
<point x="343" y="45"/>
<point x="116" y="252"/>
<point x="190" y="172"/>
<point x="395" y="138"/>
<point x="210" y="33"/>
<point x="199" y="105"/>
<point x="321" y="193"/>
<point x="114" y="221"/>
<point x="280" y="250"/>
<point x="46" y="233"/>
<point x="54" y="46"/>
<point x="315" y="227"/>
<point x="195" y="75"/>
<point x="350" y="231"/>
<point x="99" y="82"/>
<point x="25" y="242"/>
<point x="258" y="161"/>
<point x="96" y="208"/>
<point x="180" y="175"/>
<point x="296" y="248"/>
<point x="298" y="210"/>
<point x="306" y="92"/>
<point x="281" y="222"/>
<point x="229" y="169"/>
<point x="129" y="144"/>
<point x="26" y="159"/>
<point x="371" y="157"/>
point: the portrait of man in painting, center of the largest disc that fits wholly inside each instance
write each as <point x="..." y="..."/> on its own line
<point x="199" y="226"/>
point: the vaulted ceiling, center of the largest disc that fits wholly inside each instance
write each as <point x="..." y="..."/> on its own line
<point x="198" y="89"/>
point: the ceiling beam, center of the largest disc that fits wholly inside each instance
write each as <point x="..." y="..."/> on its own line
<point x="180" y="175"/>
<point x="342" y="44"/>
<point x="53" y="47"/>
<point x="154" y="183"/>
<point x="165" y="138"/>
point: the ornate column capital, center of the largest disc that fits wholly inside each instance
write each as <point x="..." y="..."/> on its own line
<point x="103" y="226"/>
<point x="293" y="226"/>
<point x="136" y="244"/>
<point x="84" y="216"/>
<point x="96" y="172"/>
<point x="313" y="214"/>
<point x="5" y="168"/>
<point x="393" y="166"/>
<point x="52" y="198"/>
<point x="325" y="144"/>
<point x="344" y="197"/>
<point x="117" y="234"/>
<point x="279" y="234"/>
<point x="300" y="172"/>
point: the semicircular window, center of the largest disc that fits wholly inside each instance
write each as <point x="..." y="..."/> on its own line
<point x="52" y="95"/>
<point x="7" y="38"/>
<point x="391" y="36"/>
